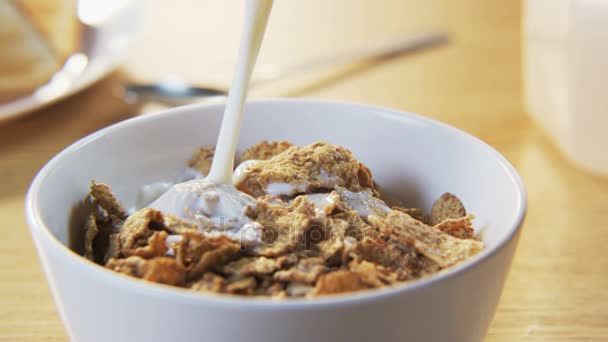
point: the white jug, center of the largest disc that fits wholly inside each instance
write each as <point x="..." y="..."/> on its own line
<point x="566" y="75"/>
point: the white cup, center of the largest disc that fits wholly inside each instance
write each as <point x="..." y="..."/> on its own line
<point x="414" y="158"/>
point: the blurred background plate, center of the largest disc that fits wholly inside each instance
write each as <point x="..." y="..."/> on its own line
<point x="110" y="28"/>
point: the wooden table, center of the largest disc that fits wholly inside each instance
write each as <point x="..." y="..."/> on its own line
<point x="557" y="289"/>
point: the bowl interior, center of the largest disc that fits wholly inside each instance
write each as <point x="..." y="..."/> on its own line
<point x="411" y="158"/>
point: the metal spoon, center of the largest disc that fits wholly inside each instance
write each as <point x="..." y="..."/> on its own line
<point x="178" y="92"/>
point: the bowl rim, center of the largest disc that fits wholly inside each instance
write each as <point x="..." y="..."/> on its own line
<point x="38" y="227"/>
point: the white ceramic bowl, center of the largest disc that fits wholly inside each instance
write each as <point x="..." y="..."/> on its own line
<point x="414" y="158"/>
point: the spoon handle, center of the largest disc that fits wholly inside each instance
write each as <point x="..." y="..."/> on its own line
<point x="375" y="51"/>
<point x="256" y="17"/>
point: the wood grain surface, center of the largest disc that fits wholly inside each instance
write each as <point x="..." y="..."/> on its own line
<point x="557" y="289"/>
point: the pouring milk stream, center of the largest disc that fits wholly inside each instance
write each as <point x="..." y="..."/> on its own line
<point x="213" y="202"/>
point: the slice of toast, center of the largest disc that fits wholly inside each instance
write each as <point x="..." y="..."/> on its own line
<point x="56" y="21"/>
<point x="36" y="36"/>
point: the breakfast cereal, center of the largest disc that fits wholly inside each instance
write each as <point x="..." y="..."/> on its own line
<point x="323" y="230"/>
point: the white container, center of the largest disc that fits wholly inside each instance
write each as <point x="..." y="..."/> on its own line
<point x="566" y="75"/>
<point x="416" y="158"/>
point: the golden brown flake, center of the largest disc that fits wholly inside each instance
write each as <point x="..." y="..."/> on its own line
<point x="284" y="227"/>
<point x="137" y="228"/>
<point x="306" y="271"/>
<point x="403" y="260"/>
<point x="339" y="281"/>
<point x="264" y="150"/>
<point x="287" y="260"/>
<point x="91" y="231"/>
<point x="244" y="286"/>
<point x="214" y="258"/>
<point x="320" y="165"/>
<point x="274" y="200"/>
<point x="431" y="242"/>
<point x="383" y="253"/>
<point x="176" y="225"/>
<point x="298" y="289"/>
<point x="251" y="266"/>
<point x="371" y="274"/>
<point x="190" y="248"/>
<point x="447" y="206"/>
<point x="164" y="270"/>
<point x="413" y="212"/>
<point x="199" y="254"/>
<point x="202" y="158"/>
<point x="105" y="225"/>
<point x="266" y="286"/>
<point x="105" y="198"/>
<point x="160" y="270"/>
<point x="357" y="228"/>
<point x="133" y="266"/>
<point x="332" y="247"/>
<point x="156" y="246"/>
<point x="209" y="282"/>
<point x="459" y="227"/>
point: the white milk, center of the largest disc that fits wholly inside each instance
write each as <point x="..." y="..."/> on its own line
<point x="242" y="171"/>
<point x="256" y="17"/>
<point x="150" y="192"/>
<point x="363" y="203"/>
<point x="214" y="201"/>
<point x="324" y="203"/>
